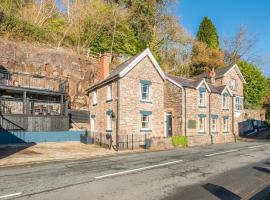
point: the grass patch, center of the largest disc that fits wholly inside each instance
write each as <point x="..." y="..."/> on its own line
<point x="179" y="141"/>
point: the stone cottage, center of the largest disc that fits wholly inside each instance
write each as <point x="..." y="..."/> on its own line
<point x="130" y="99"/>
<point x="138" y="98"/>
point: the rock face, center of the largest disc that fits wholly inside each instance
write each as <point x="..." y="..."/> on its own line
<point x="80" y="71"/>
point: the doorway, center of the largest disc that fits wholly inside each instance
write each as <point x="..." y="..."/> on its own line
<point x="168" y="124"/>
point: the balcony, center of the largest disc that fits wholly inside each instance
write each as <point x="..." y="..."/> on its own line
<point x="38" y="83"/>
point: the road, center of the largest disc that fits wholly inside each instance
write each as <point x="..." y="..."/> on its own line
<point x="227" y="171"/>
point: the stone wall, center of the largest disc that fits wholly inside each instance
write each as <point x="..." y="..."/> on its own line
<point x="130" y="104"/>
<point x="52" y="62"/>
<point x="99" y="110"/>
<point x="173" y="101"/>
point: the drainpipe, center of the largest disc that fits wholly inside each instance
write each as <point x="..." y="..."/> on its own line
<point x="233" y="119"/>
<point x="211" y="136"/>
<point x="117" y="114"/>
<point x="185" y="112"/>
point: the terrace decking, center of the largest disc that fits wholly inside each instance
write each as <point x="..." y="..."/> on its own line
<point x="25" y="97"/>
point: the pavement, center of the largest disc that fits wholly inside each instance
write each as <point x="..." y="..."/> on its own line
<point x="25" y="154"/>
<point x="227" y="171"/>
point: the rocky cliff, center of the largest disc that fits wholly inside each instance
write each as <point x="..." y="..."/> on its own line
<point x="80" y="71"/>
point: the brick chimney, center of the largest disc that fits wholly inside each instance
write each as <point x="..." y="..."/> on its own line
<point x="105" y="61"/>
<point x="212" y="75"/>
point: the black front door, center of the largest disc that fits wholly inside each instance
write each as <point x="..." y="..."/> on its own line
<point x="168" y="123"/>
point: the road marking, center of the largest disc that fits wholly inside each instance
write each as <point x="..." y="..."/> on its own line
<point x="11" y="195"/>
<point x="222" y="152"/>
<point x="262" y="145"/>
<point x="138" y="169"/>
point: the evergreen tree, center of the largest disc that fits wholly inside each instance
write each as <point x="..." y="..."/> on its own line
<point x="208" y="34"/>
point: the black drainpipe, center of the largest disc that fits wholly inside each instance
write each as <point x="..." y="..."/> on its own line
<point x="185" y="112"/>
<point x="211" y="136"/>
<point x="117" y="114"/>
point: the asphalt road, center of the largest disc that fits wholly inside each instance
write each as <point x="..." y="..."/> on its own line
<point x="228" y="171"/>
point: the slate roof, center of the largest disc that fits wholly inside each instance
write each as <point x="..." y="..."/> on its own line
<point x="115" y="73"/>
<point x="219" y="73"/>
<point x="193" y="83"/>
<point x="185" y="82"/>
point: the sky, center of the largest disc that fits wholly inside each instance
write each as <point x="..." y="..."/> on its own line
<point x="228" y="16"/>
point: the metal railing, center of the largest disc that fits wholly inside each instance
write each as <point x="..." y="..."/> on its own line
<point x="17" y="79"/>
<point x="125" y="141"/>
<point x="9" y="126"/>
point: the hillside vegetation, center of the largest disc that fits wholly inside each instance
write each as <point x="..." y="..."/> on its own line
<point x="127" y="27"/>
<point x="123" y="27"/>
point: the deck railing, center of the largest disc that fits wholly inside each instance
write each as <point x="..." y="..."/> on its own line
<point x="17" y="79"/>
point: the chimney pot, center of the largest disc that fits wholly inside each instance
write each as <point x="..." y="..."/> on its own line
<point x="212" y="75"/>
<point x="105" y="61"/>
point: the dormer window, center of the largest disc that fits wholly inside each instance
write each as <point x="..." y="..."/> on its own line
<point x="225" y="100"/>
<point x="233" y="84"/>
<point x="202" y="97"/>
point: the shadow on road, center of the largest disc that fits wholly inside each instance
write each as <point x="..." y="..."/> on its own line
<point x="262" y="169"/>
<point x="262" y="195"/>
<point x="220" y="192"/>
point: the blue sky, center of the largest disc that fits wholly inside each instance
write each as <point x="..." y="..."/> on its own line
<point x="229" y="16"/>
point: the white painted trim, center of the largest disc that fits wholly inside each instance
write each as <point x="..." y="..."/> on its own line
<point x="235" y="66"/>
<point x="203" y="82"/>
<point x="228" y="89"/>
<point x="173" y="82"/>
<point x="145" y="53"/>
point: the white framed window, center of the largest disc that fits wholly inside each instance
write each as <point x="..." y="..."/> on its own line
<point x="94" y="98"/>
<point x="109" y="121"/>
<point x="233" y="84"/>
<point x="201" y="124"/>
<point x="224" y="101"/>
<point x="93" y="123"/>
<point x="202" y="98"/>
<point x="109" y="92"/>
<point x="213" y="124"/>
<point x="238" y="103"/>
<point x="225" y="124"/>
<point x="145" y="90"/>
<point x="145" y="120"/>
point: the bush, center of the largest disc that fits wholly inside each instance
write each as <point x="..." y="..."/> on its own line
<point x="18" y="29"/>
<point x="179" y="141"/>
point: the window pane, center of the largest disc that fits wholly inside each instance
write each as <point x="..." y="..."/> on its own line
<point x="145" y="91"/>
<point x="145" y="122"/>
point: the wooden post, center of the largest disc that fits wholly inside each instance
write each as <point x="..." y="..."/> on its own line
<point x="127" y="141"/>
<point x="24" y="102"/>
<point x="66" y="108"/>
<point x="61" y="104"/>
<point x="132" y="142"/>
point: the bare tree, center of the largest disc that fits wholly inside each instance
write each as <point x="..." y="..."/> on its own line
<point x="38" y="12"/>
<point x="240" y="46"/>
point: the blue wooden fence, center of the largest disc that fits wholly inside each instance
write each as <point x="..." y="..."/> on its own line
<point x="37" y="137"/>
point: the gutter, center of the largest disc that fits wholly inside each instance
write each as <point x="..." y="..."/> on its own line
<point x="104" y="82"/>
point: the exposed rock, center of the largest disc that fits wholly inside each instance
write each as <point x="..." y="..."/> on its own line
<point x="66" y="64"/>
